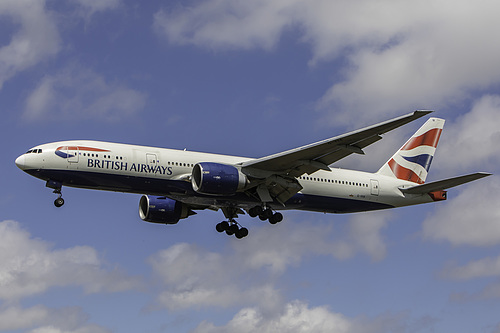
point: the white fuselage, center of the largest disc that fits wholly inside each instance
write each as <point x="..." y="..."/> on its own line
<point x="167" y="172"/>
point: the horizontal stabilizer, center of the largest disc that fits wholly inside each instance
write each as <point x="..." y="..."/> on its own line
<point x="444" y="184"/>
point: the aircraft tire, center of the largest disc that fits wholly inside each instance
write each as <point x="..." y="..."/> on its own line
<point x="232" y="230"/>
<point x="59" y="202"/>
<point x="268" y="213"/>
<point x="255" y="211"/>
<point x="222" y="226"/>
<point x="243" y="232"/>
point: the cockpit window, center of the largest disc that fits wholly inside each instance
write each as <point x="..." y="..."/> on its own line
<point x="34" y="151"/>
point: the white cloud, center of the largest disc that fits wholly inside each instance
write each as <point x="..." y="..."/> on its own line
<point x="471" y="142"/>
<point x="297" y="316"/>
<point x="79" y="93"/>
<point x="365" y="233"/>
<point x="476" y="269"/>
<point x="227" y="24"/>
<point x="86" y="9"/>
<point x="485" y="267"/>
<point x="402" y="55"/>
<point x="15" y="318"/>
<point x="194" y="277"/>
<point x="84" y="329"/>
<point x="471" y="218"/>
<point x="37" y="38"/>
<point x="29" y="266"/>
<point x="285" y="245"/>
<point x="191" y="276"/>
<point x="41" y="319"/>
<point x="91" y="7"/>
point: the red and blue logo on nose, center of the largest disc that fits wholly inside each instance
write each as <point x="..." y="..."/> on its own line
<point x="72" y="151"/>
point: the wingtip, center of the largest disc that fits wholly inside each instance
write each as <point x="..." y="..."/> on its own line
<point x="484" y="174"/>
<point x="422" y="113"/>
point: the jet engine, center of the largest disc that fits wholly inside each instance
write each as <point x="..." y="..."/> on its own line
<point x="162" y="210"/>
<point x="217" y="179"/>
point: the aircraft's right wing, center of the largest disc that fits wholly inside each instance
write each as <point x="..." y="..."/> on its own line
<point x="444" y="184"/>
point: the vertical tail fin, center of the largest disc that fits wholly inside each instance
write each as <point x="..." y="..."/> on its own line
<point x="412" y="161"/>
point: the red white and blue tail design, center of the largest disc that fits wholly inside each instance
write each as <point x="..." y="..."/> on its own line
<point x="412" y="161"/>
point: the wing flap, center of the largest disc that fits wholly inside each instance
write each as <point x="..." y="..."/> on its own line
<point x="444" y="184"/>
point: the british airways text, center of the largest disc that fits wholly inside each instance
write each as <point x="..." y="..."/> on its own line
<point x="124" y="166"/>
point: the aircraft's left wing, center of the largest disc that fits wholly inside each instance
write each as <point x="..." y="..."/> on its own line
<point x="275" y="175"/>
<point x="317" y="156"/>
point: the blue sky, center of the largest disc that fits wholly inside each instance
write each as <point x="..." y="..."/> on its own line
<point x="248" y="78"/>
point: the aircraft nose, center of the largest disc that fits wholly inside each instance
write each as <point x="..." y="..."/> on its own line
<point x="20" y="162"/>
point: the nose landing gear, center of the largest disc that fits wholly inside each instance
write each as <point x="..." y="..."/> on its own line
<point x="59" y="201"/>
<point x="57" y="186"/>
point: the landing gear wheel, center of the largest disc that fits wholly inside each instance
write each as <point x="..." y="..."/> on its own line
<point x="266" y="214"/>
<point x="232" y="229"/>
<point x="255" y="211"/>
<point x="222" y="226"/>
<point x="59" y="202"/>
<point x="243" y="232"/>
<point x="278" y="217"/>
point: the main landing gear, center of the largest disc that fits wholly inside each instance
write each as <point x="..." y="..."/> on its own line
<point x="232" y="227"/>
<point x="265" y="214"/>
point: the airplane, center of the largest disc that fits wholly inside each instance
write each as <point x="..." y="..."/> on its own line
<point x="176" y="183"/>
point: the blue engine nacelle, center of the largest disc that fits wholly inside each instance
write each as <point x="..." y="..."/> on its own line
<point x="217" y="179"/>
<point x="162" y="210"/>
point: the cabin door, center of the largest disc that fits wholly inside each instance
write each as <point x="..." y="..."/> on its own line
<point x="375" y="186"/>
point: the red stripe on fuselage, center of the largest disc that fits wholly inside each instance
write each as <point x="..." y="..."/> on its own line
<point x="82" y="148"/>
<point x="403" y="173"/>
<point x="430" y="138"/>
